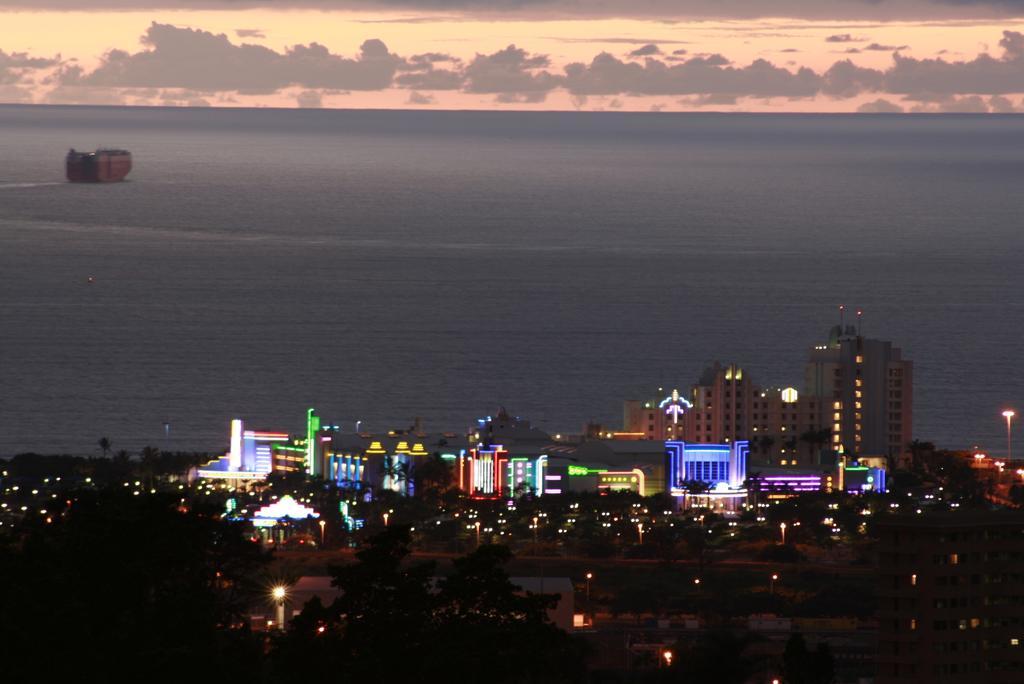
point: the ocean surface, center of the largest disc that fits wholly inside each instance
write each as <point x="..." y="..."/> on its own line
<point x="386" y="265"/>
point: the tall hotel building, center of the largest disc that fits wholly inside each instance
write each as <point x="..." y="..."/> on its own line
<point x="867" y="394"/>
<point x="857" y="401"/>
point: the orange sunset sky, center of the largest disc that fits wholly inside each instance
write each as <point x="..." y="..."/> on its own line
<point x="834" y="56"/>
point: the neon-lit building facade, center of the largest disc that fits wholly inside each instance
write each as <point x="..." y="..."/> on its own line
<point x="383" y="462"/>
<point x="250" y="455"/>
<point x="722" y="467"/>
<point x="494" y="472"/>
<point x="859" y="478"/>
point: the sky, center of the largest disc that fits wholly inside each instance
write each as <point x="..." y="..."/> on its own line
<point x="637" y="55"/>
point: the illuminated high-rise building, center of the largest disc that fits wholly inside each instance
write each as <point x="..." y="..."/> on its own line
<point x="865" y="393"/>
<point x="857" y="401"/>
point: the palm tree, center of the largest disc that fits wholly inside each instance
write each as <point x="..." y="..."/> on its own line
<point x="104" y="445"/>
<point x="815" y="439"/>
<point x="395" y="474"/>
<point x="918" y="449"/>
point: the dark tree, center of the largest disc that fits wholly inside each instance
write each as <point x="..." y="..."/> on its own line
<point x="395" y="622"/>
<point x="800" y="666"/>
<point x="720" y="657"/>
<point x="126" y="588"/>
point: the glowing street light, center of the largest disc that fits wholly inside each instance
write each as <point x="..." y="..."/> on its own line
<point x="323" y="524"/>
<point x="782" y="529"/>
<point x="386" y="516"/>
<point x="590" y="576"/>
<point x="667" y="655"/>
<point x="478" y="533"/>
<point x="279" y="593"/>
<point x="1008" y="415"/>
<point x="640" y="530"/>
<point x="535" y="519"/>
<point x="771" y="588"/>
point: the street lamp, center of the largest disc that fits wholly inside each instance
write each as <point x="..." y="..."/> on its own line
<point x="590" y="576"/>
<point x="640" y="529"/>
<point x="386" y="516"/>
<point x="279" y="593"/>
<point x="535" y="534"/>
<point x="782" y="528"/>
<point x="771" y="587"/>
<point x="478" y="533"/>
<point x="1008" y="415"/>
<point x="667" y="655"/>
<point x="323" y="524"/>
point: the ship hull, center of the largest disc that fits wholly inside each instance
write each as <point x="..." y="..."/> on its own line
<point x="101" y="166"/>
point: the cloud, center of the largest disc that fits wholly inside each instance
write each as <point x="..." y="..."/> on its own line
<point x="618" y="39"/>
<point x="969" y="104"/>
<point x="14" y="94"/>
<point x="512" y="73"/>
<point x="210" y="67"/>
<point x="22" y="60"/>
<point x="309" y="99"/>
<point x="876" y="47"/>
<point x="846" y="79"/>
<point x="711" y="75"/>
<point x="646" y="51"/>
<point x="78" y="95"/>
<point x="884" y="10"/>
<point x="880" y="106"/>
<point x="200" y="60"/>
<point x="15" y="67"/>
<point x="1001" y="105"/>
<point x="417" y="98"/>
<point x="709" y="100"/>
<point x="983" y="75"/>
<point x="842" y="38"/>
<point x="250" y="33"/>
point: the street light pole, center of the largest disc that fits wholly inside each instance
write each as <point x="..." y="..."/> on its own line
<point x="640" y="529"/>
<point x="1008" y="414"/>
<point x="279" y="593"/>
<point x="771" y="588"/>
<point x="323" y="524"/>
<point x="478" y="533"/>
<point x="782" y="528"/>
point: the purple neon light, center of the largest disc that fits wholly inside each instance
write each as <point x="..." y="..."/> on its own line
<point x="792" y="477"/>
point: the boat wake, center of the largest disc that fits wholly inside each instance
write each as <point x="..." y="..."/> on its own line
<point x="15" y="186"/>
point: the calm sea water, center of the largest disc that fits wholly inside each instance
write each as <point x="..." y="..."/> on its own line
<point x="385" y="265"/>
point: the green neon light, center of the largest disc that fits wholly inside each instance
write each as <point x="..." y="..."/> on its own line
<point x="312" y="427"/>
<point x="449" y="457"/>
<point x="580" y="471"/>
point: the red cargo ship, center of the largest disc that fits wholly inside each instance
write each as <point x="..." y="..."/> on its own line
<point x="101" y="166"/>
